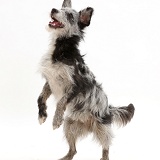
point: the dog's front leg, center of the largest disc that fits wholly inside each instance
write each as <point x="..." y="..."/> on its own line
<point x="60" y="109"/>
<point x="46" y="92"/>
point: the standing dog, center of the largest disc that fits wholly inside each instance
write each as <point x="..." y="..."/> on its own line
<point x="74" y="85"/>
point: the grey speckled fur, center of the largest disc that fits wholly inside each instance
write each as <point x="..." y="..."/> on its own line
<point x="74" y="86"/>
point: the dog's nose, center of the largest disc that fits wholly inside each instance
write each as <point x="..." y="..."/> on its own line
<point x="54" y="11"/>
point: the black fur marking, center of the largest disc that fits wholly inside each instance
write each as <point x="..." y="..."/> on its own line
<point x="82" y="82"/>
<point x="75" y="92"/>
<point x="42" y="109"/>
<point x="106" y="119"/>
<point x="40" y="100"/>
<point x="66" y="51"/>
<point x="70" y="18"/>
<point x="82" y="69"/>
<point x="54" y="11"/>
<point x="79" y="106"/>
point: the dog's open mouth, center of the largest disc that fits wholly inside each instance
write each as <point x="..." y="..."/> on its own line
<point x="55" y="24"/>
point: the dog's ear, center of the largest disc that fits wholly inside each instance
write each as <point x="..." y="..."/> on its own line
<point x="85" y="17"/>
<point x="67" y="3"/>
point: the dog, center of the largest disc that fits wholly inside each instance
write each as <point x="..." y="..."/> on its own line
<point x="74" y="86"/>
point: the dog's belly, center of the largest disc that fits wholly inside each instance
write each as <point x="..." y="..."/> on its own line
<point x="58" y="75"/>
<point x="78" y="116"/>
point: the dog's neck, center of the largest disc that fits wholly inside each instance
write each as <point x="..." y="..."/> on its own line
<point x="66" y="50"/>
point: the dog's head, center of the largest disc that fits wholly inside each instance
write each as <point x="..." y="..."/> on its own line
<point x="67" y="22"/>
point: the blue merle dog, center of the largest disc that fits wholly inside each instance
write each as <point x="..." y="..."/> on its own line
<point x="74" y="86"/>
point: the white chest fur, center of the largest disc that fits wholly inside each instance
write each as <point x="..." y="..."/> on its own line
<point x="58" y="75"/>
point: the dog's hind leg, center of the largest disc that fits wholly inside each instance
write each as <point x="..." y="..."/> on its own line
<point x="73" y="130"/>
<point x="104" y="136"/>
<point x="46" y="92"/>
<point x="105" y="154"/>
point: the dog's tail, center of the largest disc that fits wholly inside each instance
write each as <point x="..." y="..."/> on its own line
<point x="122" y="115"/>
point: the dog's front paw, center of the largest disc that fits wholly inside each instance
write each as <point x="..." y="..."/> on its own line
<point x="42" y="119"/>
<point x="42" y="115"/>
<point x="57" y="121"/>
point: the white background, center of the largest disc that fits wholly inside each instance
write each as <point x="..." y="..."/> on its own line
<point x="123" y="50"/>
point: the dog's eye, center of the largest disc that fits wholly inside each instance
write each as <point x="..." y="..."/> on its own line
<point x="70" y="17"/>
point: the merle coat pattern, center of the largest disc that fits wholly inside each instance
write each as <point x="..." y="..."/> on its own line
<point x="74" y="86"/>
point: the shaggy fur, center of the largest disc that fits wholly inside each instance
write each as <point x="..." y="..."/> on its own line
<point x="74" y="86"/>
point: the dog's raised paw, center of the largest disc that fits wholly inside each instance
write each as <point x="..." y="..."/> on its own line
<point x="57" y="121"/>
<point x="41" y="119"/>
<point x="56" y="125"/>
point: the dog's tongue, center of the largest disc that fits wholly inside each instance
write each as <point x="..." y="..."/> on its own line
<point x="55" y="24"/>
